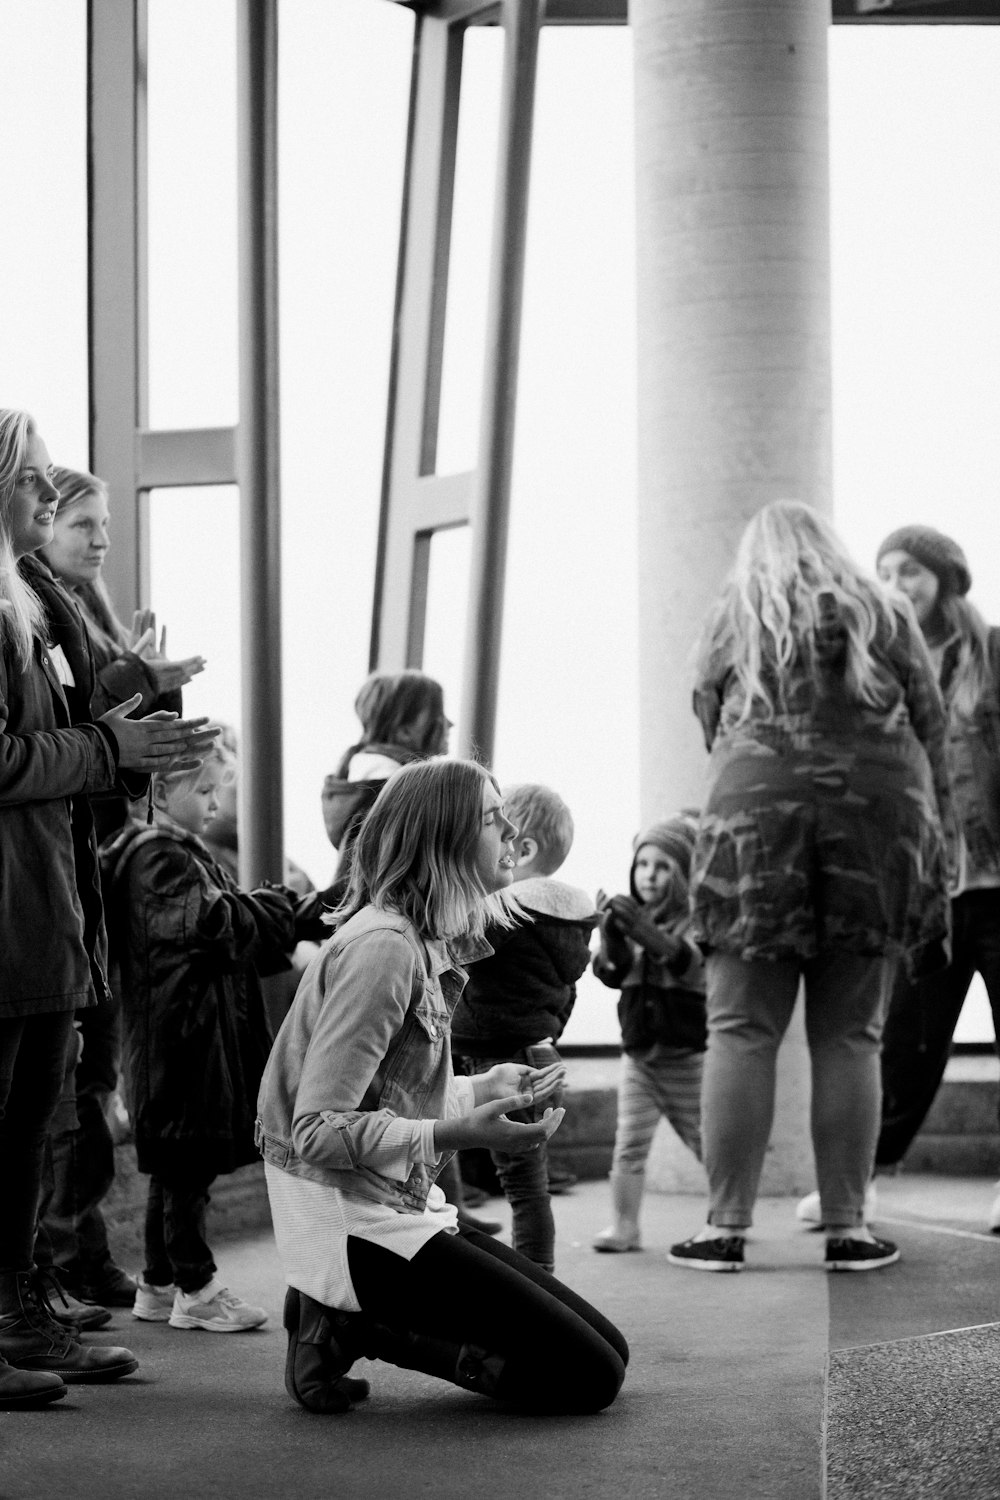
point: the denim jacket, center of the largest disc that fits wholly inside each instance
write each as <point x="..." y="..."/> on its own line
<point x="366" y="1042"/>
<point x="973" y="757"/>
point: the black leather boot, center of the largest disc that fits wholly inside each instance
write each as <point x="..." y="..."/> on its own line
<point x="26" y="1388"/>
<point x="31" y="1339"/>
<point x="465" y="1365"/>
<point x="317" y="1361"/>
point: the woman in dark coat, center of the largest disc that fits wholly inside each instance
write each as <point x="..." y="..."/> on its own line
<point x="53" y="952"/>
<point x="126" y="662"/>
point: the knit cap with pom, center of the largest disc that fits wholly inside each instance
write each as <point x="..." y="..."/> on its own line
<point x="935" y="551"/>
<point x="675" y="836"/>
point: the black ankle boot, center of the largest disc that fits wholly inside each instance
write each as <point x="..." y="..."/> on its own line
<point x="318" y="1360"/>
<point x="465" y="1365"/>
<point x="26" y="1388"/>
<point x="31" y="1339"/>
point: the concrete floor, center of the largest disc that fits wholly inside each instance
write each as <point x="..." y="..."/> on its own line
<point x="763" y="1386"/>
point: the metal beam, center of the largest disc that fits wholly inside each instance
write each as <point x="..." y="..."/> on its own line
<point x="418" y="334"/>
<point x="491" y="505"/>
<point x="257" y="444"/>
<point x="188" y="456"/>
<point x="116" y="277"/>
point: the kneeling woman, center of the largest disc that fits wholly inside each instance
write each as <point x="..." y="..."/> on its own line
<point x="359" y="1109"/>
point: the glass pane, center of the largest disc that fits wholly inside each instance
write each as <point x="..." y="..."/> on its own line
<point x="568" y="710"/>
<point x="43" y="250"/>
<point x="195" y="589"/>
<point x="469" y="262"/>
<point x="343" y="93"/>
<point x="193" y="372"/>
<point x="447" y="606"/>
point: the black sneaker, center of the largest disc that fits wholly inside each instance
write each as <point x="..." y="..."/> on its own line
<point x="860" y="1255"/>
<point x="723" y="1254"/>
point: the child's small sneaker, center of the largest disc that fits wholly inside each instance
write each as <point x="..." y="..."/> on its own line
<point x="860" y="1255"/>
<point x="216" y="1309"/>
<point x="153" y="1304"/>
<point x="722" y="1254"/>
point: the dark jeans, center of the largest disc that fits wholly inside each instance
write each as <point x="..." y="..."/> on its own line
<point x="922" y="1017"/>
<point x="33" y="1053"/>
<point x="560" y="1354"/>
<point x="80" y="1168"/>
<point x="525" y="1181"/>
<point x="176" y="1249"/>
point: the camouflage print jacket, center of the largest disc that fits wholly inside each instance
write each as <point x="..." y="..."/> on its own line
<point x="822" y="824"/>
<point x="973" y="756"/>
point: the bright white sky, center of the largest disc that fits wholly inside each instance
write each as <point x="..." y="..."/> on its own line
<point x="915" y="159"/>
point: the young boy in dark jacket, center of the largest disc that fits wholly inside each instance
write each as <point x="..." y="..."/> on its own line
<point x="521" y="997"/>
<point x="191" y="945"/>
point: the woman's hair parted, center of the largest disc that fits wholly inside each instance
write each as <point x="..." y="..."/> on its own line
<point x="388" y="702"/>
<point x="790" y="564"/>
<point x="417" y="848"/>
<point x="105" y="629"/>
<point x="21" y="613"/>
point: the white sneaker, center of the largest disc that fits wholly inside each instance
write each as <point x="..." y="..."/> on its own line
<point x="994" y="1219"/>
<point x="216" y="1309"/>
<point x="153" y="1304"/>
<point x="809" y="1212"/>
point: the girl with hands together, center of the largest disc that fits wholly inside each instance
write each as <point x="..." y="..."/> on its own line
<point x="359" y="1109"/>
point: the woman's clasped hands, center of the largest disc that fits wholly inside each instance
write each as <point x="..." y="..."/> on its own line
<point x="506" y="1087"/>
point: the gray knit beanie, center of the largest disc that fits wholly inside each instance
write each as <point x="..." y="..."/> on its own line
<point x="935" y="551"/>
<point x="675" y="836"/>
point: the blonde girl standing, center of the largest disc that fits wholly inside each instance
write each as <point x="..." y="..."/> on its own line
<point x="819" y="857"/>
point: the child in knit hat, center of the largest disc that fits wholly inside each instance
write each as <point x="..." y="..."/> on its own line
<point x="646" y="953"/>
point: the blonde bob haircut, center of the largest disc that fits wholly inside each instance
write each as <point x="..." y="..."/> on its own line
<point x="790" y="567"/>
<point x="416" y="852"/>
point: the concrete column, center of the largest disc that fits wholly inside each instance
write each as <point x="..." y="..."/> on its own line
<point x="734" y="362"/>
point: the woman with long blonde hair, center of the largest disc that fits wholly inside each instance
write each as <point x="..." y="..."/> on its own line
<point x="359" y="1109"/>
<point x="820" y="857"/>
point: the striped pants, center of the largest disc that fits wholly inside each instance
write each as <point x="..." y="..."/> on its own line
<point x="662" y="1081"/>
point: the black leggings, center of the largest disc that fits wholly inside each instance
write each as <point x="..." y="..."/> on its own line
<point x="559" y="1353"/>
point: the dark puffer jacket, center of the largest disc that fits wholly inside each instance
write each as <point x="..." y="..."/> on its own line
<point x="192" y="945"/>
<point x="526" y="990"/>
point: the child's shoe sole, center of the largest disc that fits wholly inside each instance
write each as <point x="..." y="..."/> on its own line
<point x="212" y="1325"/>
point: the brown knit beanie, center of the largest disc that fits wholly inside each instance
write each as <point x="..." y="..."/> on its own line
<point x="935" y="551"/>
<point x="675" y="836"/>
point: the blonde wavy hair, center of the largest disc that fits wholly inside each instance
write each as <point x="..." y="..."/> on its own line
<point x="416" y="852"/>
<point x="791" y="572"/>
<point x="22" y="616"/>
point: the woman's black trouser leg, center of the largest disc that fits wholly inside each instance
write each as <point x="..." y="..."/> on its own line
<point x="916" y="1041"/>
<point x="32" y="1066"/>
<point x="478" y="1314"/>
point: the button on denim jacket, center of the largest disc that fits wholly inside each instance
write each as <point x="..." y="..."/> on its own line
<point x="367" y="1040"/>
